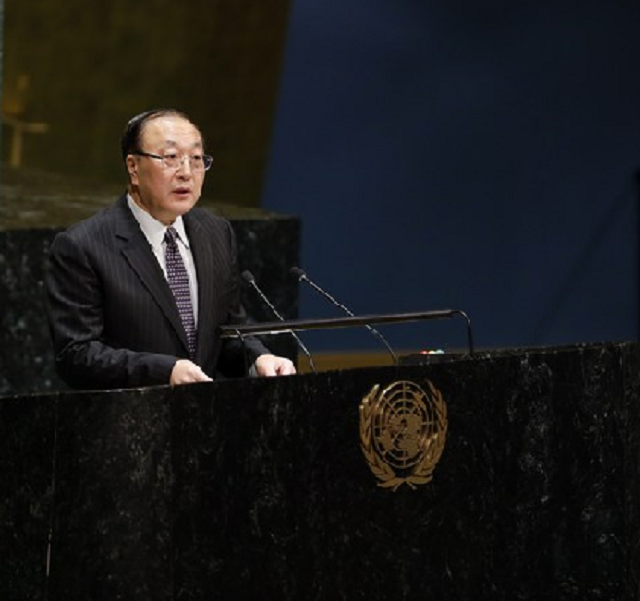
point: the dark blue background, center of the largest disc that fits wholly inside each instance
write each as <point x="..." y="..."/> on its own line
<point x="474" y="156"/>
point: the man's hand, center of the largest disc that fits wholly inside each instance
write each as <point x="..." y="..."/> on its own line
<point x="272" y="365"/>
<point x="186" y="372"/>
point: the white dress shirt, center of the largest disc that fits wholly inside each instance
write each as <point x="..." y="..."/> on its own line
<point x="154" y="232"/>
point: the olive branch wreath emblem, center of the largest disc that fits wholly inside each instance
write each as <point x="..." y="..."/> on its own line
<point x="402" y="433"/>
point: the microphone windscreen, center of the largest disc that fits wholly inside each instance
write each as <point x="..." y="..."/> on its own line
<point x="247" y="276"/>
<point x="297" y="272"/>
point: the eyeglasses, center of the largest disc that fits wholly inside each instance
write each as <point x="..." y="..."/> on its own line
<point x="197" y="162"/>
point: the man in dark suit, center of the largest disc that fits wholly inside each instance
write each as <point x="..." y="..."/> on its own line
<point x="136" y="293"/>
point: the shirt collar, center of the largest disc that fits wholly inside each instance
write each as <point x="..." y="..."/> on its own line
<point x="154" y="229"/>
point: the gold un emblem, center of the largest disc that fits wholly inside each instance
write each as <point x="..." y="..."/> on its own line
<point x="402" y="432"/>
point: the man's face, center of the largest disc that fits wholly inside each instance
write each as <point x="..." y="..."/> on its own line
<point x="164" y="192"/>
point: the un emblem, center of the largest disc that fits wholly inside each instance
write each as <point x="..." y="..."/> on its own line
<point x="402" y="432"/>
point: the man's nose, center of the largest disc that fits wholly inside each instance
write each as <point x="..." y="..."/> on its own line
<point x="184" y="167"/>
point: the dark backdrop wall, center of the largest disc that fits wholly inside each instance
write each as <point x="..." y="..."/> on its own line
<point x="481" y="156"/>
<point x="83" y="69"/>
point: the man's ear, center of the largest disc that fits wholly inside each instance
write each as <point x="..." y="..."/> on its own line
<point x="132" y="169"/>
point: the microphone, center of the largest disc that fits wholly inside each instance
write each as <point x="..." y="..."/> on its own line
<point x="302" y="277"/>
<point x="247" y="276"/>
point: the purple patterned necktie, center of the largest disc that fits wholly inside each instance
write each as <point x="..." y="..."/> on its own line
<point x="178" y="279"/>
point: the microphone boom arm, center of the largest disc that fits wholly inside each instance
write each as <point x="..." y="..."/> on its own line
<point x="247" y="276"/>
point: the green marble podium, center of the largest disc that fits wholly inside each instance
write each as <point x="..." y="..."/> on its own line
<point x="259" y="489"/>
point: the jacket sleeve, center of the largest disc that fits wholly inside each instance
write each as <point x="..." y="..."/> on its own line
<point x="74" y="301"/>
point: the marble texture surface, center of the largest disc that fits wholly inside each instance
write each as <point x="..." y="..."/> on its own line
<point x="258" y="489"/>
<point x="27" y="443"/>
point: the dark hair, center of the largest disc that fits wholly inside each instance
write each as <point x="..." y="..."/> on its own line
<point x="130" y="141"/>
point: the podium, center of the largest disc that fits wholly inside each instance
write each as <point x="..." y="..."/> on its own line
<point x="263" y="489"/>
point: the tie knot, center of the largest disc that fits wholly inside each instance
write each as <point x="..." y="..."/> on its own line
<point x="170" y="235"/>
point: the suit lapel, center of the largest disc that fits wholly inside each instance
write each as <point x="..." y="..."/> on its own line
<point x="201" y="248"/>
<point x="137" y="252"/>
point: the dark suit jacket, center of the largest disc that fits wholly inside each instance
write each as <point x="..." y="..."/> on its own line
<point x="112" y="316"/>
